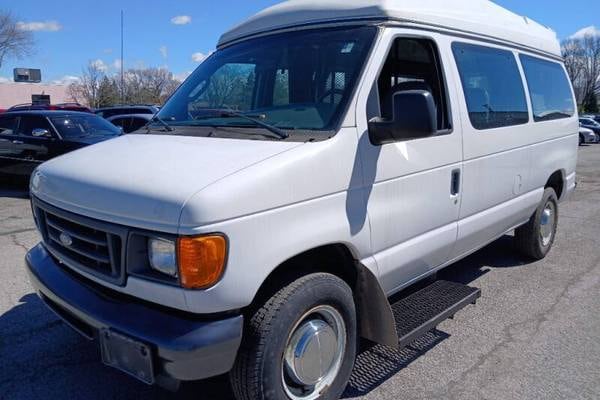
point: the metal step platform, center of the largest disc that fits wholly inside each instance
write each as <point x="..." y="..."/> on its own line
<point x="424" y="310"/>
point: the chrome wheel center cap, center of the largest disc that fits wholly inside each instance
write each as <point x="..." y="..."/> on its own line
<point x="547" y="224"/>
<point x="311" y="352"/>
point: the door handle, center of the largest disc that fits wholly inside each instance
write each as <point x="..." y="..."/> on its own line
<point x="455" y="183"/>
<point x="18" y="142"/>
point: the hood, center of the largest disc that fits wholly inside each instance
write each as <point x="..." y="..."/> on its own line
<point x="144" y="180"/>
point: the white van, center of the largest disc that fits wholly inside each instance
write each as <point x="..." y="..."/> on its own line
<point x="327" y="156"/>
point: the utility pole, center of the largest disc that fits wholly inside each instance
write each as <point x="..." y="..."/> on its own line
<point x="122" y="63"/>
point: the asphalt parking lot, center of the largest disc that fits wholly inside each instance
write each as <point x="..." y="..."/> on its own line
<point x="535" y="333"/>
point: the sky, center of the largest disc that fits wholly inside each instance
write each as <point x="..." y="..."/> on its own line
<point x="178" y="34"/>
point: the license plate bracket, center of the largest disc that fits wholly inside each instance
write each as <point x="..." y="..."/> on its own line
<point x="128" y="355"/>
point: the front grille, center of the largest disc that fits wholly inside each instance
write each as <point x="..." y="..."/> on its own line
<point x="82" y="243"/>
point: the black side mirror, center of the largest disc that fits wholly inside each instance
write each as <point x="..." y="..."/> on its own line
<point x="415" y="117"/>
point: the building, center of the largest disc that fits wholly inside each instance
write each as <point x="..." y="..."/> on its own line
<point x="18" y="93"/>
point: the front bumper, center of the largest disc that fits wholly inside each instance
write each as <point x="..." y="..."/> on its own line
<point x="184" y="347"/>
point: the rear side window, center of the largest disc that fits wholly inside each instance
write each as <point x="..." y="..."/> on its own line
<point x="8" y="125"/>
<point x="549" y="89"/>
<point x="493" y="86"/>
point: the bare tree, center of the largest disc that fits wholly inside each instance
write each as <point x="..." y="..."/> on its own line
<point x="149" y="85"/>
<point x="14" y="42"/>
<point x="582" y="60"/>
<point x="87" y="90"/>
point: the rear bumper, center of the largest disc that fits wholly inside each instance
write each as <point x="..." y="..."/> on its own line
<point x="185" y="348"/>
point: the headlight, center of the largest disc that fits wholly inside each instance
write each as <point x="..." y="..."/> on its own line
<point x="162" y="256"/>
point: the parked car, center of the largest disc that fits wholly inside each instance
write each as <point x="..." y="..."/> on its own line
<point x="587" y="136"/>
<point x="50" y="107"/>
<point x="130" y="122"/>
<point x="591" y="124"/>
<point x="126" y="110"/>
<point x="261" y="230"/>
<point x="595" y="117"/>
<point x="29" y="138"/>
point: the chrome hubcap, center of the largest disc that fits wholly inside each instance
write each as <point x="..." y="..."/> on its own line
<point x="547" y="223"/>
<point x="314" y="353"/>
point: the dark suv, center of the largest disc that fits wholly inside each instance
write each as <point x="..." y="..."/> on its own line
<point x="126" y="110"/>
<point x="28" y="138"/>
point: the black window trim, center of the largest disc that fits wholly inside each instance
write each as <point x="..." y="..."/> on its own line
<point x="520" y="70"/>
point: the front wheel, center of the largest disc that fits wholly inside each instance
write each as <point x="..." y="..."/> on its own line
<point x="535" y="239"/>
<point x="300" y="345"/>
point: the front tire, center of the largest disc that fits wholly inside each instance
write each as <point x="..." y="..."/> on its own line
<point x="535" y="239"/>
<point x="300" y="345"/>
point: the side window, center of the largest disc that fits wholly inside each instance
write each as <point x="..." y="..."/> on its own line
<point x="413" y="64"/>
<point x="8" y="125"/>
<point x="122" y="122"/>
<point x="549" y="89"/>
<point x="493" y="86"/>
<point x="29" y="123"/>
<point x="137" y="123"/>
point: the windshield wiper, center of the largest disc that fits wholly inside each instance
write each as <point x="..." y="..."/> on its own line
<point x="158" y="119"/>
<point x="227" y="113"/>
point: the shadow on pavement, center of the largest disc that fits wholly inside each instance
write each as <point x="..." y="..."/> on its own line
<point x="43" y="358"/>
<point x="376" y="364"/>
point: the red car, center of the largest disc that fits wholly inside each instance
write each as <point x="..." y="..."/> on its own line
<point x="50" y="107"/>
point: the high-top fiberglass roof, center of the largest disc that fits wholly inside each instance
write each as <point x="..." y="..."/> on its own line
<point x="480" y="17"/>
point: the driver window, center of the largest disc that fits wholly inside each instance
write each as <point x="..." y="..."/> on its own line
<point x="28" y="124"/>
<point x="413" y="64"/>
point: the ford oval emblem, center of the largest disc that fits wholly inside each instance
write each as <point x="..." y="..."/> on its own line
<point x="66" y="240"/>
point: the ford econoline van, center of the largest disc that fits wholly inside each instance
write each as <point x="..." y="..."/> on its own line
<point x="327" y="156"/>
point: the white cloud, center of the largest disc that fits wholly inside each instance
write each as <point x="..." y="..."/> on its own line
<point x="164" y="51"/>
<point x="117" y="64"/>
<point x="101" y="65"/>
<point x="107" y="51"/>
<point x="66" y="80"/>
<point x="46" y="26"/>
<point x="199" y="57"/>
<point x="4" y="80"/>
<point x="181" y="20"/>
<point x="587" y="31"/>
<point x="182" y="76"/>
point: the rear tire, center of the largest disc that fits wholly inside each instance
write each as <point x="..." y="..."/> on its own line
<point x="277" y="358"/>
<point x="581" y="140"/>
<point x="535" y="239"/>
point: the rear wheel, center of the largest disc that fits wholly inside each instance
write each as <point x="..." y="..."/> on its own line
<point x="581" y="141"/>
<point x="535" y="239"/>
<point x="300" y="345"/>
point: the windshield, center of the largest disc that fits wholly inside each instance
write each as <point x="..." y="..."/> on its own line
<point x="299" y="80"/>
<point x="79" y="126"/>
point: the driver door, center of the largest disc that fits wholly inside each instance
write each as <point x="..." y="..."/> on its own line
<point x="413" y="186"/>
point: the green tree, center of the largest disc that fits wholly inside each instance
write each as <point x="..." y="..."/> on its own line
<point x="108" y="93"/>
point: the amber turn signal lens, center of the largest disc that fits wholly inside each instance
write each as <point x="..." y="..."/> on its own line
<point x="201" y="260"/>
